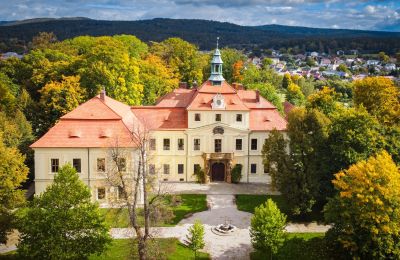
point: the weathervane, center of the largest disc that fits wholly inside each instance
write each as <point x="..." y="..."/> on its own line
<point x="217" y="41"/>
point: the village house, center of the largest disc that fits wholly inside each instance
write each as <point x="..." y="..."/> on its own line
<point x="214" y="126"/>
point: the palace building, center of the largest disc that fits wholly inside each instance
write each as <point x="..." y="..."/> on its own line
<point x="214" y="126"/>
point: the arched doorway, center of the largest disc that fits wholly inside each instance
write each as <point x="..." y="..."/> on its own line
<point x="218" y="172"/>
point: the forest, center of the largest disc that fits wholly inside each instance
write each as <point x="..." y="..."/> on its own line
<point x="16" y="35"/>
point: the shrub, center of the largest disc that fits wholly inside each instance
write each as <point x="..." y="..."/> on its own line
<point x="200" y="174"/>
<point x="237" y="173"/>
<point x="196" y="237"/>
<point x="267" y="229"/>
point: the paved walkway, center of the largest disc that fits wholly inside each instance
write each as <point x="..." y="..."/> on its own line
<point x="220" y="188"/>
<point x="222" y="208"/>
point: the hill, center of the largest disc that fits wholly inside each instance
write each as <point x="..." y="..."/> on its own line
<point x="203" y="33"/>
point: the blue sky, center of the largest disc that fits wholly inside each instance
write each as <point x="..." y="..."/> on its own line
<point x="350" y="14"/>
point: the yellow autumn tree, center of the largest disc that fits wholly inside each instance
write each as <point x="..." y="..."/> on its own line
<point x="380" y="97"/>
<point x="366" y="211"/>
<point x="326" y="100"/>
<point x="237" y="75"/>
<point x="294" y="95"/>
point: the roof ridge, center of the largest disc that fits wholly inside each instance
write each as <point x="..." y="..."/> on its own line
<point x="94" y="99"/>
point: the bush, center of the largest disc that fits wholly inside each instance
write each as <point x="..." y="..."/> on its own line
<point x="200" y="174"/>
<point x="237" y="173"/>
<point x="196" y="237"/>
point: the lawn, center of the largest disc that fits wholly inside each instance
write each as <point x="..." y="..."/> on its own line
<point x="163" y="248"/>
<point x="304" y="246"/>
<point x="249" y="202"/>
<point x="190" y="203"/>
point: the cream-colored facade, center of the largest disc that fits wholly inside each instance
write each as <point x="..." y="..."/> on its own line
<point x="214" y="127"/>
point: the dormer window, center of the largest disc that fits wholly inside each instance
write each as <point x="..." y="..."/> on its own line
<point x="218" y="102"/>
<point x="216" y="83"/>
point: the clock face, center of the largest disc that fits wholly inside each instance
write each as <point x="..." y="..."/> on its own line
<point x="218" y="102"/>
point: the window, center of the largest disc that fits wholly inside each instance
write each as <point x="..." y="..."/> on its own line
<point x="253" y="168"/>
<point x="239" y="144"/>
<point x="120" y="193"/>
<point x="101" y="193"/>
<point x="180" y="168"/>
<point x="218" y="117"/>
<point x="181" y="144"/>
<point x="253" y="144"/>
<point x="121" y="164"/>
<point x="238" y="117"/>
<point x="55" y="163"/>
<point x="265" y="169"/>
<point x="152" y="169"/>
<point x="76" y="163"/>
<point x="152" y="144"/>
<point x="101" y="164"/>
<point x="196" y="144"/>
<point x="197" y="117"/>
<point x="166" y="168"/>
<point x="181" y="179"/>
<point x="217" y="145"/>
<point x="166" y="144"/>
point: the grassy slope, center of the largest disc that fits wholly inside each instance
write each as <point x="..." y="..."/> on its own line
<point x="249" y="202"/>
<point x="304" y="246"/>
<point x="191" y="203"/>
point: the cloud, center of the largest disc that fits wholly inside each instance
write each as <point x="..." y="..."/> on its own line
<point x="355" y="14"/>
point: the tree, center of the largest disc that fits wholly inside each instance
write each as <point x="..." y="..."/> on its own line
<point x="326" y="100"/>
<point x="287" y="81"/>
<point x="267" y="229"/>
<point x="383" y="57"/>
<point x="297" y="163"/>
<point x="294" y="95"/>
<point x="156" y="78"/>
<point x="233" y="64"/>
<point x="354" y="135"/>
<point x="59" y="98"/>
<point x="182" y="57"/>
<point x="43" y="40"/>
<point x="342" y="67"/>
<point x="196" y="237"/>
<point x="310" y="62"/>
<point x="62" y="222"/>
<point x="12" y="173"/>
<point x="380" y="97"/>
<point x="268" y="92"/>
<point x="365" y="213"/>
<point x="136" y="187"/>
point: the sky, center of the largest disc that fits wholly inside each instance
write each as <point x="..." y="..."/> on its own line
<point x="348" y="14"/>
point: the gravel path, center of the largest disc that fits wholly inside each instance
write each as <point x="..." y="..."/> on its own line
<point x="221" y="208"/>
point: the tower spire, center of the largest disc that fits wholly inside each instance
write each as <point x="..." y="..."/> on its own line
<point x="216" y="77"/>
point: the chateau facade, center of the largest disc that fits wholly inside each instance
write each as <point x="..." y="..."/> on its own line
<point x="214" y="126"/>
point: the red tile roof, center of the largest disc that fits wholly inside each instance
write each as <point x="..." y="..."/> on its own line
<point x="266" y="120"/>
<point x="177" y="98"/>
<point x="153" y="117"/>
<point x="86" y="133"/>
<point x="202" y="101"/>
<point x="225" y="88"/>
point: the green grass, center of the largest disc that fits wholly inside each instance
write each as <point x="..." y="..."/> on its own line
<point x="304" y="246"/>
<point x="163" y="248"/>
<point x="190" y="203"/>
<point x="249" y="202"/>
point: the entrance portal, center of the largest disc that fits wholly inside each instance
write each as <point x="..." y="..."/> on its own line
<point x="218" y="172"/>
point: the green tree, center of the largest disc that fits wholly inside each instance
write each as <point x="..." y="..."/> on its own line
<point x="325" y="100"/>
<point x="12" y="173"/>
<point x="232" y="58"/>
<point x="380" y="97"/>
<point x="287" y="81"/>
<point x="354" y="136"/>
<point x="365" y="213"/>
<point x="182" y="57"/>
<point x="297" y="163"/>
<point x="267" y="230"/>
<point x="383" y="57"/>
<point x="196" y="237"/>
<point x="342" y="67"/>
<point x="268" y="92"/>
<point x="62" y="222"/>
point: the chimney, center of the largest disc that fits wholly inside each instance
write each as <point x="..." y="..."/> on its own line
<point x="257" y="96"/>
<point x="183" y="85"/>
<point x="103" y="94"/>
<point x="194" y="85"/>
